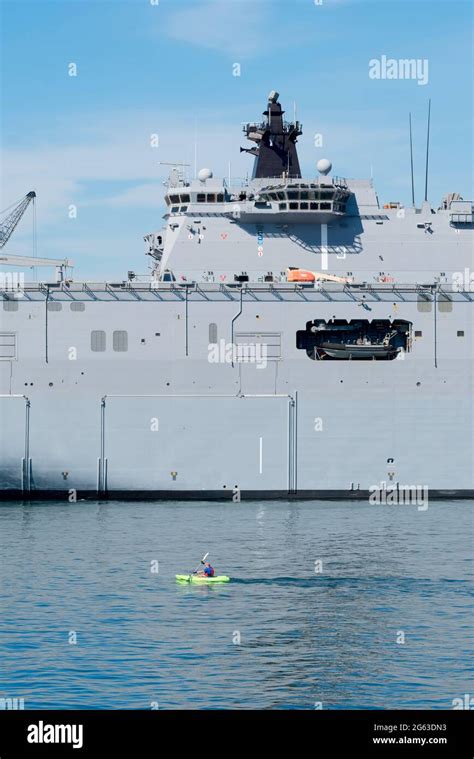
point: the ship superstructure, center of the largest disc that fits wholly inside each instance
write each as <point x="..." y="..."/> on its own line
<point x="295" y="338"/>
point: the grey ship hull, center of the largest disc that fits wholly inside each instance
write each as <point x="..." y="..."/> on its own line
<point x="160" y="419"/>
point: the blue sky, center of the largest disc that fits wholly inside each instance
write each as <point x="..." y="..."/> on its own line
<point x="167" y="68"/>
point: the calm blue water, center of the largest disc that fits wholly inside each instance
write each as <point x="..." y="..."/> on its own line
<point x="304" y="637"/>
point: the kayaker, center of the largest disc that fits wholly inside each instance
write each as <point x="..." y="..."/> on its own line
<point x="208" y="571"/>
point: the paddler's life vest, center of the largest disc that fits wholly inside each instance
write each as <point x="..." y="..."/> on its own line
<point x="209" y="571"/>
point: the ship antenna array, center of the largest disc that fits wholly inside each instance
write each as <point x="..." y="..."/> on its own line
<point x="427" y="149"/>
<point x="411" y="163"/>
<point x="175" y="165"/>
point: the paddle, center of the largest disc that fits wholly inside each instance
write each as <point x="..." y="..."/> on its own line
<point x="201" y="562"/>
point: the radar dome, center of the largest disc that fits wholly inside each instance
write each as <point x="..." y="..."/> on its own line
<point x="324" y="166"/>
<point x="204" y="174"/>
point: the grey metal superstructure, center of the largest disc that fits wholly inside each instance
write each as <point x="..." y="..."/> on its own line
<point x="293" y="339"/>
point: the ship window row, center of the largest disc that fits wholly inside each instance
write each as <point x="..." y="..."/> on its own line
<point x="52" y="305"/>
<point x="299" y="195"/>
<point x="210" y="197"/>
<point x="311" y="206"/>
<point x="200" y="197"/>
<point x="99" y="340"/>
<point x="183" y="198"/>
<point x="425" y="304"/>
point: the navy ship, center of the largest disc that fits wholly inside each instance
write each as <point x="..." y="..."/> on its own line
<point x="294" y="338"/>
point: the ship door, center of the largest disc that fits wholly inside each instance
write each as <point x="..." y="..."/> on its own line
<point x="15" y="463"/>
<point x="257" y="355"/>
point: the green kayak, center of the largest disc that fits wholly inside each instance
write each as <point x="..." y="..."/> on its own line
<point x="200" y="579"/>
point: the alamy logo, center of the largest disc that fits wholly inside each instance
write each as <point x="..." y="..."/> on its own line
<point x="416" y="495"/>
<point x="464" y="703"/>
<point x="12" y="703"/>
<point x="463" y="281"/>
<point x="403" y="68"/>
<point x="42" y="733"/>
<point x="228" y="353"/>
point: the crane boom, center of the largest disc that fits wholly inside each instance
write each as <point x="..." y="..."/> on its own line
<point x="10" y="222"/>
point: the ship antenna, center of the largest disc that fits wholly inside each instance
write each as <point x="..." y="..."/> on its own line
<point x="411" y="163"/>
<point x="195" y="149"/>
<point x="427" y="149"/>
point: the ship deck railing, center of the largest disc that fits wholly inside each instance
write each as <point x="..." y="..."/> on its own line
<point x="211" y="291"/>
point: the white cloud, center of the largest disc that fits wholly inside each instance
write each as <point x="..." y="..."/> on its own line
<point x="236" y="28"/>
<point x="146" y="195"/>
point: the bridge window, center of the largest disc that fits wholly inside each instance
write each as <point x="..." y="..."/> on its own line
<point x="185" y="198"/>
<point x="282" y="206"/>
<point x="293" y="206"/>
<point x="54" y="306"/>
<point x="200" y="197"/>
<point x="174" y="198"/>
<point x="211" y="198"/>
<point x="77" y="306"/>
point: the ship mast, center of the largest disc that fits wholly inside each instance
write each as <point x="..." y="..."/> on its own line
<point x="276" y="139"/>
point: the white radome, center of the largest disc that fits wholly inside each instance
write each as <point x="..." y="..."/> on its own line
<point x="204" y="174"/>
<point x="324" y="166"/>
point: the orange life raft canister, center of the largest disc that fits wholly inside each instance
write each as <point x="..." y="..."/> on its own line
<point x="300" y="275"/>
